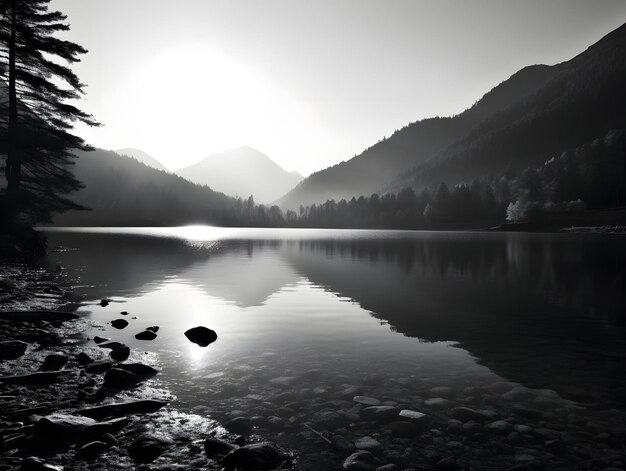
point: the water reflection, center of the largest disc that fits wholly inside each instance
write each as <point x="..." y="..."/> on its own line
<point x="542" y="310"/>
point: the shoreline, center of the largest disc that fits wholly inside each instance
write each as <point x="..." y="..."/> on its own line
<point x="49" y="392"/>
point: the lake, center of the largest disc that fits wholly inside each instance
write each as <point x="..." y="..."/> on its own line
<point x="526" y="328"/>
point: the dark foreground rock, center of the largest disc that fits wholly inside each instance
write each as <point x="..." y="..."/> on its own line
<point x="239" y="425"/>
<point x="258" y="456"/>
<point x="120" y="353"/>
<point x="215" y="447"/>
<point x="147" y="448"/>
<point x="91" y="450"/>
<point x="117" y="378"/>
<point x="119" y="323"/>
<point x="12" y="349"/>
<point x="139" y="369"/>
<point x="146" y="335"/>
<point x="123" y="409"/>
<point x="202" y="336"/>
<point x="54" y="361"/>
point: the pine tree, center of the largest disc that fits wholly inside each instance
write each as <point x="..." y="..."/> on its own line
<point x="36" y="95"/>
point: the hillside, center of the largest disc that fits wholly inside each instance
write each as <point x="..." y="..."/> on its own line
<point x="582" y="101"/>
<point x="142" y="157"/>
<point x="242" y="172"/>
<point x="539" y="111"/>
<point x="122" y="191"/>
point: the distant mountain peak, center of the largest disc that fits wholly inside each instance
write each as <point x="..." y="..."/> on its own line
<point x="242" y="171"/>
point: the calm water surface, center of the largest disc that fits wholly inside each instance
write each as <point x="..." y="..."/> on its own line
<point x="322" y="314"/>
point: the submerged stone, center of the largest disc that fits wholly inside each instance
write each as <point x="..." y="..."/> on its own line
<point x="146" y="335"/>
<point x="262" y="456"/>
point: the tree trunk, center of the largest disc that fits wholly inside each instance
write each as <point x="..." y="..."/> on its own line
<point x="13" y="166"/>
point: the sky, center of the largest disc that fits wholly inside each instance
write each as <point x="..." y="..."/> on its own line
<point x="307" y="82"/>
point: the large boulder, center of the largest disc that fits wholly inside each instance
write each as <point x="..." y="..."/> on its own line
<point x="202" y="336"/>
<point x="258" y="456"/>
<point x="12" y="349"/>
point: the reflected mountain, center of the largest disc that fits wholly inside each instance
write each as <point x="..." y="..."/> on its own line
<point x="529" y="307"/>
<point x="127" y="265"/>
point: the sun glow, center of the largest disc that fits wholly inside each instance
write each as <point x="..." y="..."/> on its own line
<point x="185" y="103"/>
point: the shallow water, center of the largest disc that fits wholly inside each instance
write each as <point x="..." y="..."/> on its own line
<point x="307" y="319"/>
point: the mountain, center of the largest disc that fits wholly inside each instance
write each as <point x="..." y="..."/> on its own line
<point x="523" y="121"/>
<point x="242" y="172"/>
<point x="124" y="192"/>
<point x="579" y="102"/>
<point x="142" y="157"/>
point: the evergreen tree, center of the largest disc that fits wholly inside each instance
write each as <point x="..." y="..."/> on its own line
<point x="38" y="88"/>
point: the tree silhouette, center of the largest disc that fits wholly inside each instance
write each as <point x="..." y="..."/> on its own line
<point x="38" y="90"/>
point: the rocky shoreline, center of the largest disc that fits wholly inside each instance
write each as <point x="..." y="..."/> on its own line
<point x="72" y="402"/>
<point x="69" y="403"/>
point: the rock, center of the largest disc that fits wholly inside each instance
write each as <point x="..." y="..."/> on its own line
<point x="403" y="429"/>
<point x="83" y="358"/>
<point x="147" y="448"/>
<point x="239" y="425"/>
<point x="202" y="336"/>
<point x="141" y="370"/>
<point x="99" y="367"/>
<point x="118" y="378"/>
<point x="111" y="345"/>
<point x="258" y="456"/>
<point x="54" y="361"/>
<point x="438" y="403"/>
<point x="146" y="335"/>
<point x="91" y="450"/>
<point x="215" y="447"/>
<point x="153" y="328"/>
<point x="380" y="413"/>
<point x="119" y="323"/>
<point x="37" y="464"/>
<point x="328" y="419"/>
<point x="104" y="302"/>
<point x="499" y="426"/>
<point x="33" y="379"/>
<point x="360" y="461"/>
<point x="413" y="416"/>
<point x="124" y="313"/>
<point x="465" y="414"/>
<point x="59" y="428"/>
<point x="120" y="354"/>
<point x="366" y="401"/>
<point x="341" y="443"/>
<point x="123" y="409"/>
<point x="12" y="349"/>
<point x="99" y="339"/>
<point x="368" y="444"/>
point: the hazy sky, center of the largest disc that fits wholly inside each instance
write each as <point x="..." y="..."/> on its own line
<point x="309" y="83"/>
